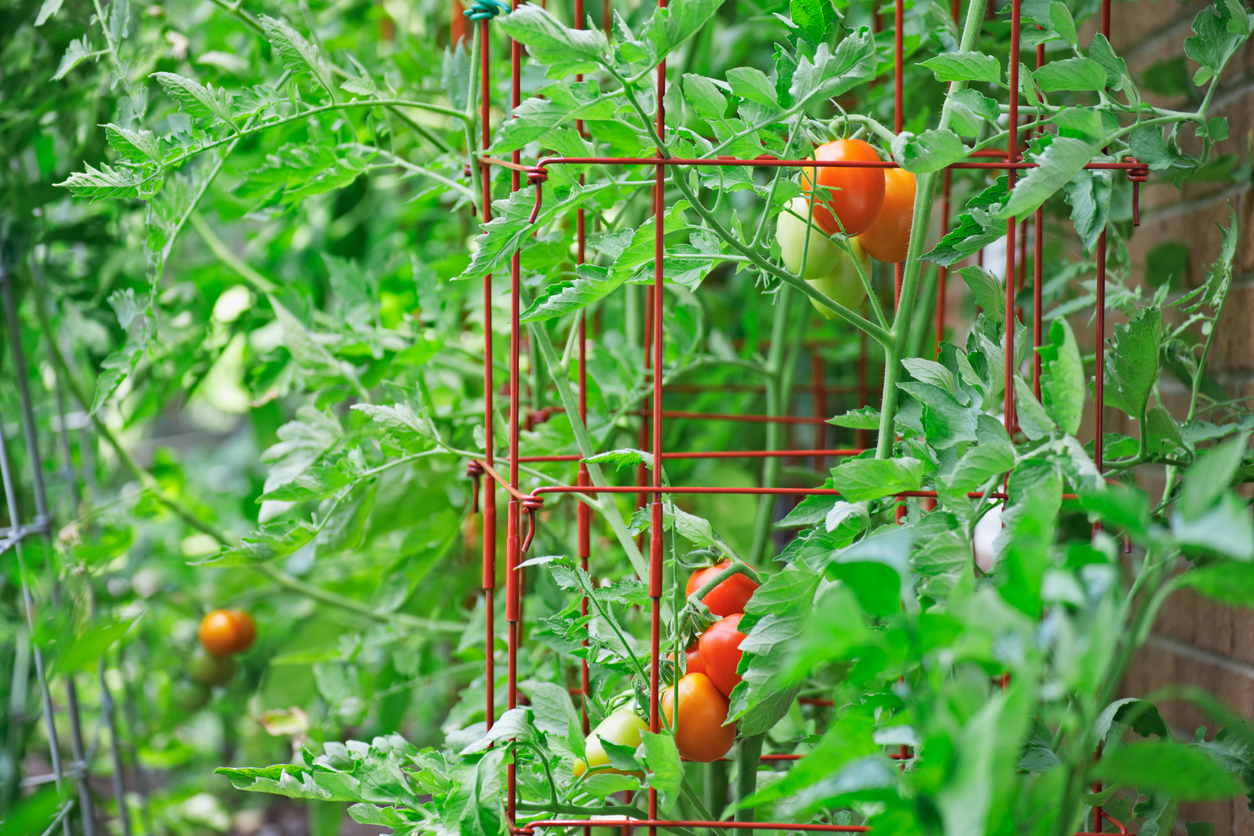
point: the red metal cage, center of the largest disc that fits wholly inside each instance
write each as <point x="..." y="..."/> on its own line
<point x="649" y="488"/>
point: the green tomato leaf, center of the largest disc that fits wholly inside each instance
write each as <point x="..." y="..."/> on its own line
<point x="931" y="150"/>
<point x="1182" y="772"/>
<point x="1228" y="582"/>
<point x="775" y="618"/>
<point x="1071" y="73"/>
<point x="1132" y="359"/>
<point x="964" y="66"/>
<point x="1062" y="378"/>
<point x="1063" y="158"/>
<point x="862" y="479"/>
<point x="567" y="51"/>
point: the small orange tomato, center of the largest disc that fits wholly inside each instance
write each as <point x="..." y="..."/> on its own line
<point x="888" y="238"/>
<point x="699" y="734"/>
<point x="856" y="194"/>
<point x="227" y="632"/>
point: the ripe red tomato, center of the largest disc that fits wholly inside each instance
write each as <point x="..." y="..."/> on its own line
<point x="695" y="664"/>
<point x="888" y="238"/>
<point x="728" y="597"/>
<point x="856" y="193"/>
<point x="700" y="734"/>
<point x="720" y="650"/>
<point x="211" y="670"/>
<point x="227" y="632"/>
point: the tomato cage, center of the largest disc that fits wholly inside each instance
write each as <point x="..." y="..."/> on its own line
<point x="28" y="533"/>
<point x="650" y="489"/>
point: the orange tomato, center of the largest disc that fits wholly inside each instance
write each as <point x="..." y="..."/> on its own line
<point x="227" y="632"/>
<point x="856" y="194"/>
<point x="699" y="734"/>
<point x="888" y="238"/>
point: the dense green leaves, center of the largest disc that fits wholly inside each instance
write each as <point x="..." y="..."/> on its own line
<point x="1180" y="771"/>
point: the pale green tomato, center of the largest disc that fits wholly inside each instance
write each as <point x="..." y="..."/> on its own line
<point x="622" y="727"/>
<point x="791" y="235"/>
<point x="843" y="284"/>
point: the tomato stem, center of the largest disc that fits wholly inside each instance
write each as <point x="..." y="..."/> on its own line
<point x="747" y="759"/>
<point x="925" y="194"/>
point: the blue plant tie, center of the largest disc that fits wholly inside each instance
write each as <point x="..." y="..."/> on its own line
<point x="485" y="9"/>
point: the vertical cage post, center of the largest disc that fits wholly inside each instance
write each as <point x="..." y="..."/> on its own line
<point x="489" y="432"/>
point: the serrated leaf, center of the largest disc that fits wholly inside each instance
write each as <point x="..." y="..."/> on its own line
<point x="775" y="617"/>
<point x="862" y="418"/>
<point x="1088" y="195"/>
<point x="134" y="145"/>
<point x="46" y="10"/>
<point x="987" y="291"/>
<point x="73" y="56"/>
<point x="830" y="73"/>
<point x="971" y="110"/>
<point x="298" y="54"/>
<point x="1132" y="363"/>
<point x="1062" y="378"/>
<point x="109" y="183"/>
<point x="548" y="41"/>
<point x="979" y="464"/>
<point x="752" y="84"/>
<point x="977" y="227"/>
<point x="271" y="541"/>
<point x="931" y="150"/>
<point x="1062" y="159"/>
<point x="704" y="96"/>
<point x="197" y="100"/>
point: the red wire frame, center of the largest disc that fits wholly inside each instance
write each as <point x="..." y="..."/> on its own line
<point x="520" y="504"/>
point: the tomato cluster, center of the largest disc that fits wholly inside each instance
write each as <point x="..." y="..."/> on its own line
<point x="872" y="207"/>
<point x="222" y="634"/>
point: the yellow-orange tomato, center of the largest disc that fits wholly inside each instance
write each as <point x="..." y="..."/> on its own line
<point x="888" y="238"/>
<point x="856" y="194"/>
<point x="227" y="632"/>
<point x="700" y="734"/>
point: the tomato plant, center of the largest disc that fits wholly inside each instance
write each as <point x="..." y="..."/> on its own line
<point x="700" y="733"/>
<point x="261" y="328"/>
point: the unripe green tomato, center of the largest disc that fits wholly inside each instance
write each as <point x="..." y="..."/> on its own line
<point x="211" y="670"/>
<point x="622" y="727"/>
<point x="189" y="696"/>
<point x="790" y="232"/>
<point x="843" y="284"/>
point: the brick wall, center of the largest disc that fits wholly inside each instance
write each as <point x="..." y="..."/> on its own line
<point x="1195" y="641"/>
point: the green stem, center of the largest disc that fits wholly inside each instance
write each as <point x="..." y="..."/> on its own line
<point x="747" y="759"/>
<point x="925" y="194"/>
<point x="715" y="779"/>
<point x="778" y="389"/>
